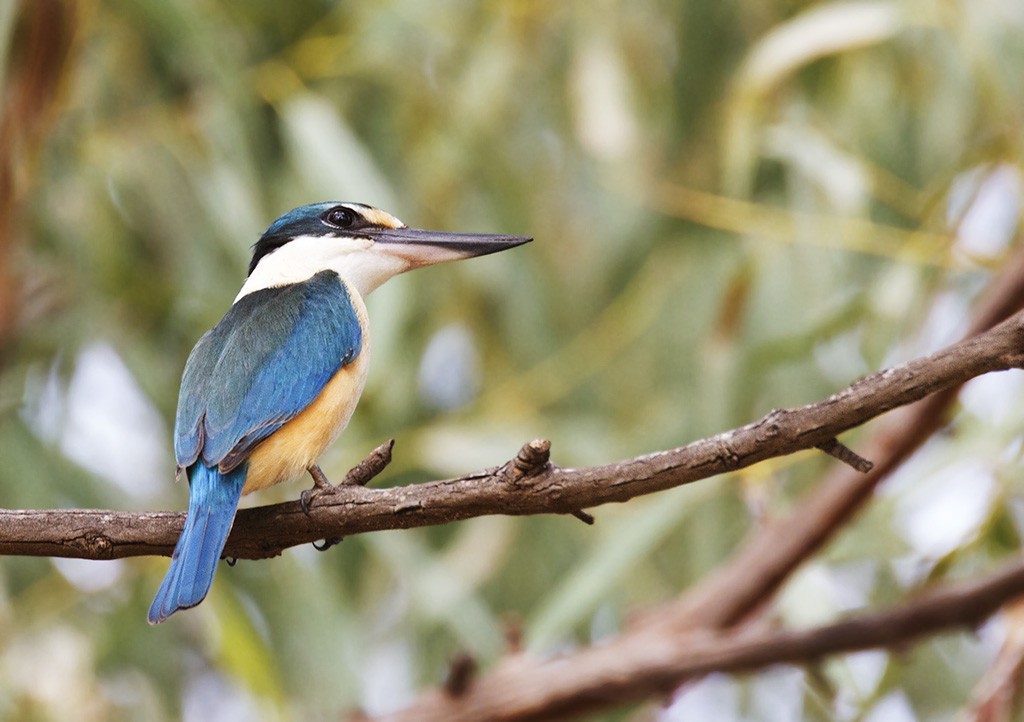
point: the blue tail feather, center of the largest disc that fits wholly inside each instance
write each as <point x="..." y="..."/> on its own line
<point x="213" y="499"/>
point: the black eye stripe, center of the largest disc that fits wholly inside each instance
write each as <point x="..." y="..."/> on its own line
<point x="315" y="220"/>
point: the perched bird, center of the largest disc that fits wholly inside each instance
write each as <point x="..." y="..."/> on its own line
<point x="275" y="382"/>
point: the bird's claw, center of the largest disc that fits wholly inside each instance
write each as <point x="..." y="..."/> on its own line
<point x="328" y="543"/>
<point x="304" y="500"/>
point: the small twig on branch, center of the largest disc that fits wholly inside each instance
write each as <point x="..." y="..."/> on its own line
<point x="583" y="516"/>
<point x="364" y="472"/>
<point x="652" y="659"/>
<point x="838" y="450"/>
<point x="460" y="674"/>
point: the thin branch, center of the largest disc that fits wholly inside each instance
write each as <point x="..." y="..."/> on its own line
<point x="652" y="658"/>
<point x="520" y="487"/>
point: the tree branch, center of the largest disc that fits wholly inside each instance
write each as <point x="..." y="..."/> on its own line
<point x="651" y="659"/>
<point x="528" y="484"/>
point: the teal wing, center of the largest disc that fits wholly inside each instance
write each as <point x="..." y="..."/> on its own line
<point x="267" y="360"/>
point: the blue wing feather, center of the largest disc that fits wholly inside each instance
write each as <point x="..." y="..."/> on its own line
<point x="268" y="359"/>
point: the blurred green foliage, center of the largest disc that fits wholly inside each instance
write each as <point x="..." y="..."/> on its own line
<point x="736" y="206"/>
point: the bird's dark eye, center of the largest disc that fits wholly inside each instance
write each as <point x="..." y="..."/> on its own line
<point x="340" y="217"/>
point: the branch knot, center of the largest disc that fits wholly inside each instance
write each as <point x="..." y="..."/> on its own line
<point x="531" y="460"/>
<point x="96" y="544"/>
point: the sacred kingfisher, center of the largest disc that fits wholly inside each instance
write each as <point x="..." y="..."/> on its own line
<point x="275" y="382"/>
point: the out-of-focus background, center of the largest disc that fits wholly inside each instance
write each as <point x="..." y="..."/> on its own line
<point x="737" y="206"/>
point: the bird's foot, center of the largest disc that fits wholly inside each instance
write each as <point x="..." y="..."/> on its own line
<point x="321" y="485"/>
<point x="359" y="475"/>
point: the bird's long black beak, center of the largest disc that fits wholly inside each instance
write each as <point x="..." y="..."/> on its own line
<point x="428" y="247"/>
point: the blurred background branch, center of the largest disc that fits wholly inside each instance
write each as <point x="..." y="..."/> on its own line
<point x="36" y="47"/>
<point x="651" y="661"/>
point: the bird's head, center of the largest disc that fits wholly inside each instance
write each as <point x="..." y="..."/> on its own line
<point x="364" y="245"/>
